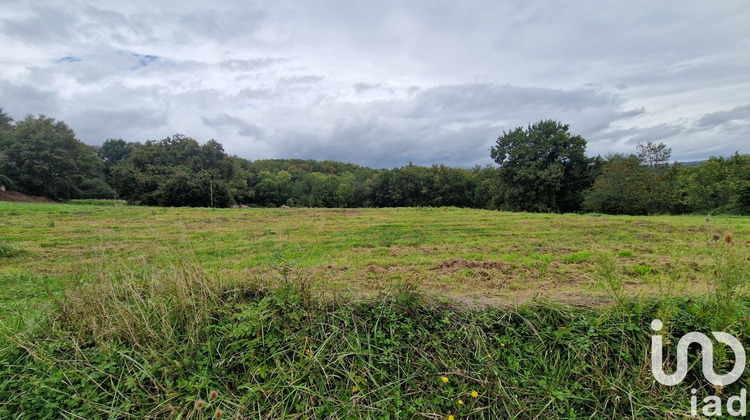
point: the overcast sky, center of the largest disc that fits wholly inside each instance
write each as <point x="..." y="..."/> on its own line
<point x="382" y="83"/>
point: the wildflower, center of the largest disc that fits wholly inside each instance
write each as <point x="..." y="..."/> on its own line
<point x="218" y="413"/>
<point x="451" y="417"/>
<point x="460" y="402"/>
<point x="475" y="394"/>
<point x="444" y="379"/>
<point x="502" y="344"/>
<point x="213" y="395"/>
<point x="355" y="389"/>
<point x="489" y="356"/>
<point x="199" y="404"/>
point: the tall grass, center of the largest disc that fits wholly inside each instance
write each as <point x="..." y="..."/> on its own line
<point x="136" y="302"/>
<point x="181" y="342"/>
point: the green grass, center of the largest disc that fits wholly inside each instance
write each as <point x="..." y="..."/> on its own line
<point x="132" y="312"/>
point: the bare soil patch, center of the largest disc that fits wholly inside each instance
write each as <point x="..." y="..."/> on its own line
<point x="17" y="197"/>
<point x="462" y="264"/>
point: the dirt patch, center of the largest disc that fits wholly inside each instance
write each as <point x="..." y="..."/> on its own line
<point x="462" y="264"/>
<point x="482" y="300"/>
<point x="375" y="269"/>
<point x="17" y="197"/>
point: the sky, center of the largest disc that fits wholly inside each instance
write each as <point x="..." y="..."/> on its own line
<point x="383" y="83"/>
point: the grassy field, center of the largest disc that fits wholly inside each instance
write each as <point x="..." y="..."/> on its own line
<point x="123" y="311"/>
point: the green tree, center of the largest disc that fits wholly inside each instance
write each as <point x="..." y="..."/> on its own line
<point x="44" y="157"/>
<point x="543" y="168"/>
<point x="6" y="122"/>
<point x="636" y="184"/>
<point x="706" y="186"/>
<point x="659" y="178"/>
<point x="177" y="171"/>
<point x="620" y="188"/>
<point x="739" y="181"/>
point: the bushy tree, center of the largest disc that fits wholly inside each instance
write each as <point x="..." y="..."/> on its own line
<point x="44" y="157"/>
<point x="543" y="168"/>
<point x="620" y="188"/>
<point x="175" y="171"/>
<point x="636" y="184"/>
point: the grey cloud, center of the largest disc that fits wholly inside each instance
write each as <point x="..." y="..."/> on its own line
<point x="451" y="123"/>
<point x="219" y="25"/>
<point x="251" y="64"/>
<point x="364" y="87"/>
<point x="42" y="23"/>
<point x="298" y="81"/>
<point x="91" y="68"/>
<point x="492" y="101"/>
<point x="740" y="113"/>
<point x="98" y="124"/>
<point x="21" y="100"/>
<point x="242" y="127"/>
<point x="383" y="83"/>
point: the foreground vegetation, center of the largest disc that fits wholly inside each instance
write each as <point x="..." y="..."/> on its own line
<point x="391" y="313"/>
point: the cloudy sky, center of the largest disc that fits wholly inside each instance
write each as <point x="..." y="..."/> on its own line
<point x="382" y="83"/>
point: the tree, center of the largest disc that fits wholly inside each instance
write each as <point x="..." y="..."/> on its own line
<point x="636" y="184"/>
<point x="6" y="122"/>
<point x="659" y="178"/>
<point x="176" y="171"/>
<point x="620" y="188"/>
<point x="543" y="168"/>
<point x="44" y="157"/>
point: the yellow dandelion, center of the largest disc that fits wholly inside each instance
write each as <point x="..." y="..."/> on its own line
<point x="475" y="394"/>
<point x="444" y="379"/>
<point x="451" y="417"/>
<point x="489" y="356"/>
<point x="460" y="402"/>
<point x="502" y="344"/>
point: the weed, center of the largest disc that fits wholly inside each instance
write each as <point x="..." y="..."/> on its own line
<point x="9" y="250"/>
<point x="625" y="253"/>
<point x="577" y="257"/>
<point x="641" y="269"/>
<point x="731" y="281"/>
<point x="612" y="282"/>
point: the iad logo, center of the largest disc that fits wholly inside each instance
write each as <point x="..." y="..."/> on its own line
<point x="708" y="357"/>
<point x="712" y="404"/>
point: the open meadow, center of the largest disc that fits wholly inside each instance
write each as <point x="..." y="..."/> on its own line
<point x="123" y="311"/>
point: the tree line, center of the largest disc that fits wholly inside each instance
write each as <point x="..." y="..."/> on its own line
<point x="541" y="168"/>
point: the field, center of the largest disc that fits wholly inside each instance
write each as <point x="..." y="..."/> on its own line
<point x="354" y="312"/>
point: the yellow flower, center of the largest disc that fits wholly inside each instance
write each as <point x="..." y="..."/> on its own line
<point x="444" y="379"/>
<point x="355" y="389"/>
<point x="489" y="356"/>
<point x="475" y="394"/>
<point x="502" y="344"/>
<point x="460" y="402"/>
<point x="451" y="417"/>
